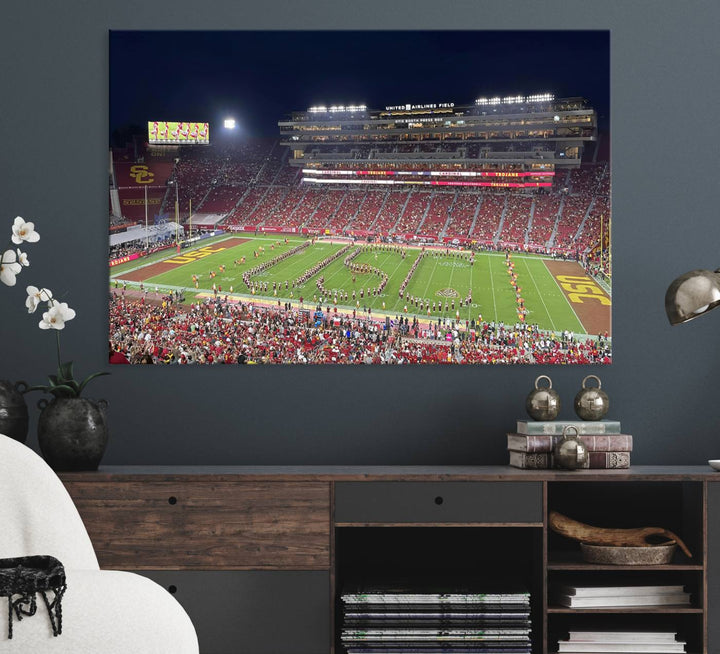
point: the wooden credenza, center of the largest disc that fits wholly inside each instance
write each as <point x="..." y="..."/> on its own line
<point x="259" y="555"/>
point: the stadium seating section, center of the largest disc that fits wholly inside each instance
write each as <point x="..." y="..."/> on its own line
<point x="253" y="186"/>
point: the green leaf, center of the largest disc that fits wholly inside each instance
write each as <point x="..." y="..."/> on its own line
<point x="38" y="388"/>
<point x="89" y="379"/>
<point x="65" y="371"/>
<point x="53" y="380"/>
<point x="62" y="390"/>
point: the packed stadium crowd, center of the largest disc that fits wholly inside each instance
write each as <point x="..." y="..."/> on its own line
<point x="254" y="185"/>
<point x="217" y="331"/>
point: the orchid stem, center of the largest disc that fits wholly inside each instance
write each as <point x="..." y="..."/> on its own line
<point x="57" y="333"/>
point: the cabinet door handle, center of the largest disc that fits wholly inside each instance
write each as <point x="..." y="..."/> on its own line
<point x="439" y="500"/>
<point x="172" y="500"/>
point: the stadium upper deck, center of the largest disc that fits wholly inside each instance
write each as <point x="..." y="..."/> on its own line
<point x="526" y="137"/>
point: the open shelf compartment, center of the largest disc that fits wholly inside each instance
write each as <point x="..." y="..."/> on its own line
<point x="483" y="559"/>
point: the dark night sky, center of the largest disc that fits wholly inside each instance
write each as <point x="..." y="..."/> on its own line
<point x="259" y="77"/>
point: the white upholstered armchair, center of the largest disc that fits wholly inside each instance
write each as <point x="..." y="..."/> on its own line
<point x="103" y="612"/>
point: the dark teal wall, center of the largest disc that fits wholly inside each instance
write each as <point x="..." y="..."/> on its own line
<point x="663" y="384"/>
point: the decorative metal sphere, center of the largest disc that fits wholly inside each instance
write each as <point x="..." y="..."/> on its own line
<point x="570" y="453"/>
<point x="543" y="403"/>
<point x="591" y="403"/>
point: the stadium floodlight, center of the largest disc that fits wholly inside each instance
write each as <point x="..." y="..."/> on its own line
<point x="541" y="97"/>
<point x="229" y="123"/>
<point x="691" y="295"/>
<point x="343" y="108"/>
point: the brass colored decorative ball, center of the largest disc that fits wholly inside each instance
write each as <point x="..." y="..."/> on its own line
<point x="570" y="453"/>
<point x="591" y="403"/>
<point x="543" y="403"/>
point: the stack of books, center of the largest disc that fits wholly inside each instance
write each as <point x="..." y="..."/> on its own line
<point x="597" y="642"/>
<point x="387" y="621"/>
<point x="531" y="446"/>
<point x="583" y="597"/>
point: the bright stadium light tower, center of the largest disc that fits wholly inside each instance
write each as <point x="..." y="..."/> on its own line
<point x="229" y="123"/>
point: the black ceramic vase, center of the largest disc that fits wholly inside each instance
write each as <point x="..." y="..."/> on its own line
<point x="13" y="410"/>
<point x="72" y="433"/>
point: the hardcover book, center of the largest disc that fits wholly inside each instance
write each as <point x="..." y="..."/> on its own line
<point x="546" y="442"/>
<point x="545" y="460"/>
<point x="624" y="636"/>
<point x="604" y="591"/>
<point x="666" y="599"/>
<point x="555" y="427"/>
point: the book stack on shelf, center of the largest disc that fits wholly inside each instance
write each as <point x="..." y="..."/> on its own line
<point x="383" y="621"/>
<point x="582" y="597"/>
<point x="531" y="446"/>
<point x="599" y="642"/>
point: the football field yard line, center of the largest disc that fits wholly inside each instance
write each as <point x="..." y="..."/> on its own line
<point x="566" y="300"/>
<point x="427" y="286"/>
<point x="232" y="276"/>
<point x="313" y="280"/>
<point x="397" y="301"/>
<point x="452" y="272"/>
<point x="492" y="288"/>
<point x="328" y="280"/>
<point x="537" y="288"/>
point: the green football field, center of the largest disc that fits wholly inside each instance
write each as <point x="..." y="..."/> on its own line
<point x="439" y="278"/>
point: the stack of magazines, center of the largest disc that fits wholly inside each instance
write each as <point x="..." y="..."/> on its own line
<point x="601" y="642"/>
<point x="392" y="621"/>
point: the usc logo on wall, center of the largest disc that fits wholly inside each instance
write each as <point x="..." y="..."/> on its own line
<point x="142" y="174"/>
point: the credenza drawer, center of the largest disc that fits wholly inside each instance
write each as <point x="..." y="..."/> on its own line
<point x="405" y="502"/>
<point x="254" y="611"/>
<point x="231" y="525"/>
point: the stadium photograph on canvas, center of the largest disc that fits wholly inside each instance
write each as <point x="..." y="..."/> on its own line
<point x="360" y="197"/>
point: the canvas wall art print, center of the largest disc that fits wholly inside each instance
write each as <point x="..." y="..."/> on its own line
<point x="360" y="197"/>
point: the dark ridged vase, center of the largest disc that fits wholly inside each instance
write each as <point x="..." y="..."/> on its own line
<point x="13" y="410"/>
<point x="72" y="433"/>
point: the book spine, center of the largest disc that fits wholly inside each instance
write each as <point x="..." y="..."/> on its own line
<point x="555" y="428"/>
<point x="596" y="460"/>
<point x="593" y="442"/>
<point x="529" y="460"/>
<point x="608" y="460"/>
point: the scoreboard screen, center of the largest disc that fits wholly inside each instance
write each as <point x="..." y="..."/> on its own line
<point x="176" y="133"/>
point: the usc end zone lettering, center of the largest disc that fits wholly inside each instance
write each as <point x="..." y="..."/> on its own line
<point x="195" y="255"/>
<point x="578" y="288"/>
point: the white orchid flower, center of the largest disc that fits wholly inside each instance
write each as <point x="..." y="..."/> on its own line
<point x="36" y="296"/>
<point x="22" y="258"/>
<point x="9" y="267"/>
<point x="56" y="316"/>
<point x="22" y="231"/>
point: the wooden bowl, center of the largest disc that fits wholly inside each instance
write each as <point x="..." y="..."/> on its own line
<point x="622" y="555"/>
